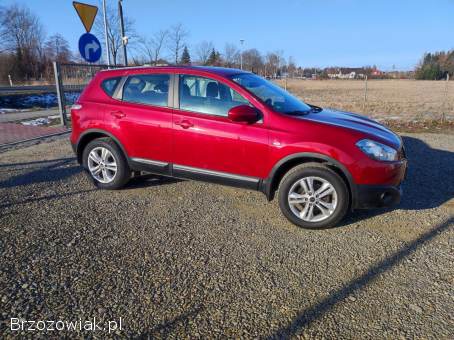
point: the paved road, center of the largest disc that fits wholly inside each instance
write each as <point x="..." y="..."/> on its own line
<point x="187" y="259"/>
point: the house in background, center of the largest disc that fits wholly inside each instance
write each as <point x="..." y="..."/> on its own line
<point x="346" y="72"/>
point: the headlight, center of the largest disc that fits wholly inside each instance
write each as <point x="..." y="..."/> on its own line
<point x="377" y="151"/>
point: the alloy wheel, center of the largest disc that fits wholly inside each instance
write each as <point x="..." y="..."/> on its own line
<point x="312" y="199"/>
<point x="102" y="164"/>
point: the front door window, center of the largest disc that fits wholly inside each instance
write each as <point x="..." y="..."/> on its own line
<point x="205" y="95"/>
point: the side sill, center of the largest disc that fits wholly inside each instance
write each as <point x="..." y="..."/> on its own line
<point x="216" y="177"/>
<point x="186" y="172"/>
<point x="157" y="167"/>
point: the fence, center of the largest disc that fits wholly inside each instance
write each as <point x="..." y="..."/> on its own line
<point x="70" y="80"/>
<point x="403" y="100"/>
<point x="31" y="112"/>
<point x="28" y="112"/>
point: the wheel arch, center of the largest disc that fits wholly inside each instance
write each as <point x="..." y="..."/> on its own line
<point x="92" y="134"/>
<point x="271" y="184"/>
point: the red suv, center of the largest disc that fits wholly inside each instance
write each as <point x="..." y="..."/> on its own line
<point x="235" y="128"/>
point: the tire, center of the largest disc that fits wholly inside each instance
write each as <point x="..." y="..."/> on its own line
<point x="329" y="198"/>
<point x="106" y="177"/>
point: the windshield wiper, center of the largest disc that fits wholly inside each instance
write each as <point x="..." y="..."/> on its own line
<point x="298" y="112"/>
<point x="315" y="108"/>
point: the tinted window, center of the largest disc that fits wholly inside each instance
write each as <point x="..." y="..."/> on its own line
<point x="109" y="85"/>
<point x="150" y="89"/>
<point x="206" y="95"/>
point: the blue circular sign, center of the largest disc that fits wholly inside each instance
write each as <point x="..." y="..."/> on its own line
<point x="89" y="47"/>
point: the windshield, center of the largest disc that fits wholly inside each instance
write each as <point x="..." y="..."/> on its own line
<point x="272" y="95"/>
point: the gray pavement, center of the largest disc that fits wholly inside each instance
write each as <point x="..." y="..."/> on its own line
<point x="183" y="259"/>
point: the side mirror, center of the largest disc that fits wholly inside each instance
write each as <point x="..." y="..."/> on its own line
<point x="243" y="114"/>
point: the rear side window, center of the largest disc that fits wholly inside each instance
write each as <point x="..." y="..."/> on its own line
<point x="109" y="85"/>
<point x="150" y="89"/>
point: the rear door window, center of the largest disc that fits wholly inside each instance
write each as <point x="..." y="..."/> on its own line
<point x="149" y="89"/>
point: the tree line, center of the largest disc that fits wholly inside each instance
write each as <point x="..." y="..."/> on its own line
<point x="436" y="66"/>
<point x="27" y="52"/>
<point x="170" y="46"/>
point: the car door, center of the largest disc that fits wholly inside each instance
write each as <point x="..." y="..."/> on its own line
<point x="206" y="143"/>
<point x="144" y="118"/>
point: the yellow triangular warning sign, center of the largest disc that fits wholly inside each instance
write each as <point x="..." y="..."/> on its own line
<point x="87" y="14"/>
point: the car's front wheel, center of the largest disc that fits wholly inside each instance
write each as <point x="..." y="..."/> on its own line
<point x="106" y="164"/>
<point x="312" y="195"/>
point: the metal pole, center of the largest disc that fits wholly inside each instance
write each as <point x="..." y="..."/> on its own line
<point x="241" y="54"/>
<point x="365" y="94"/>
<point x="443" y="117"/>
<point x="122" y="31"/>
<point x="105" y="32"/>
<point x="60" y="94"/>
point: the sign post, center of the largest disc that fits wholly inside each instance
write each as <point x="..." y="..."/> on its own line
<point x="105" y="31"/>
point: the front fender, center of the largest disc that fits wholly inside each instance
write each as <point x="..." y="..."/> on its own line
<point x="270" y="184"/>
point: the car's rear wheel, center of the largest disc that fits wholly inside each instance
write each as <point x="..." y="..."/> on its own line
<point x="312" y="196"/>
<point x="106" y="164"/>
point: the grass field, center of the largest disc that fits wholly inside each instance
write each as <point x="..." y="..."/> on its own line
<point x="386" y="99"/>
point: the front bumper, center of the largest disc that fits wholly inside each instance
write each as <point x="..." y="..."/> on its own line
<point x="377" y="196"/>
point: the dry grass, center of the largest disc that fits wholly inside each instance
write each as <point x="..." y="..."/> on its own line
<point x="403" y="100"/>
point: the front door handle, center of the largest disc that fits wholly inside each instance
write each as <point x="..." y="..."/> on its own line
<point x="185" y="124"/>
<point x="117" y="114"/>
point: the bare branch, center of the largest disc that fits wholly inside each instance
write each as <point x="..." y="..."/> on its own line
<point x="177" y="39"/>
<point x="203" y="51"/>
<point x="113" y="32"/>
<point x="152" y="47"/>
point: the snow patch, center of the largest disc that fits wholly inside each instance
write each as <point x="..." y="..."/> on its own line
<point x="36" y="122"/>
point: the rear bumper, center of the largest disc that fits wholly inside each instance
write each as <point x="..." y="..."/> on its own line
<point x="377" y="196"/>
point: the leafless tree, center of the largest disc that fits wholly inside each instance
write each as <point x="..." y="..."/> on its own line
<point x="231" y="55"/>
<point x="203" y="51"/>
<point x="291" y="67"/>
<point x="113" y="32"/>
<point x="3" y="31"/>
<point x="57" y="49"/>
<point x="22" y="34"/>
<point x="19" y="28"/>
<point x="252" y="60"/>
<point x="152" y="47"/>
<point x="177" y="41"/>
<point x="273" y="62"/>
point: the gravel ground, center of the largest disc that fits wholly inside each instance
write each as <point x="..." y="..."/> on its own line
<point x="187" y="259"/>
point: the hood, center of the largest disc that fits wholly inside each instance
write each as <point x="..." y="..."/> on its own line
<point x="355" y="122"/>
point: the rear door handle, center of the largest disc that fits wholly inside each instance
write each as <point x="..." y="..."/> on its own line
<point x="185" y="124"/>
<point x="117" y="114"/>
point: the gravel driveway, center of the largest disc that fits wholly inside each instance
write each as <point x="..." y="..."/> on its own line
<point x="178" y="258"/>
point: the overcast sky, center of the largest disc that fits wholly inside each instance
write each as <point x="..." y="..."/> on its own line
<point x="315" y="32"/>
